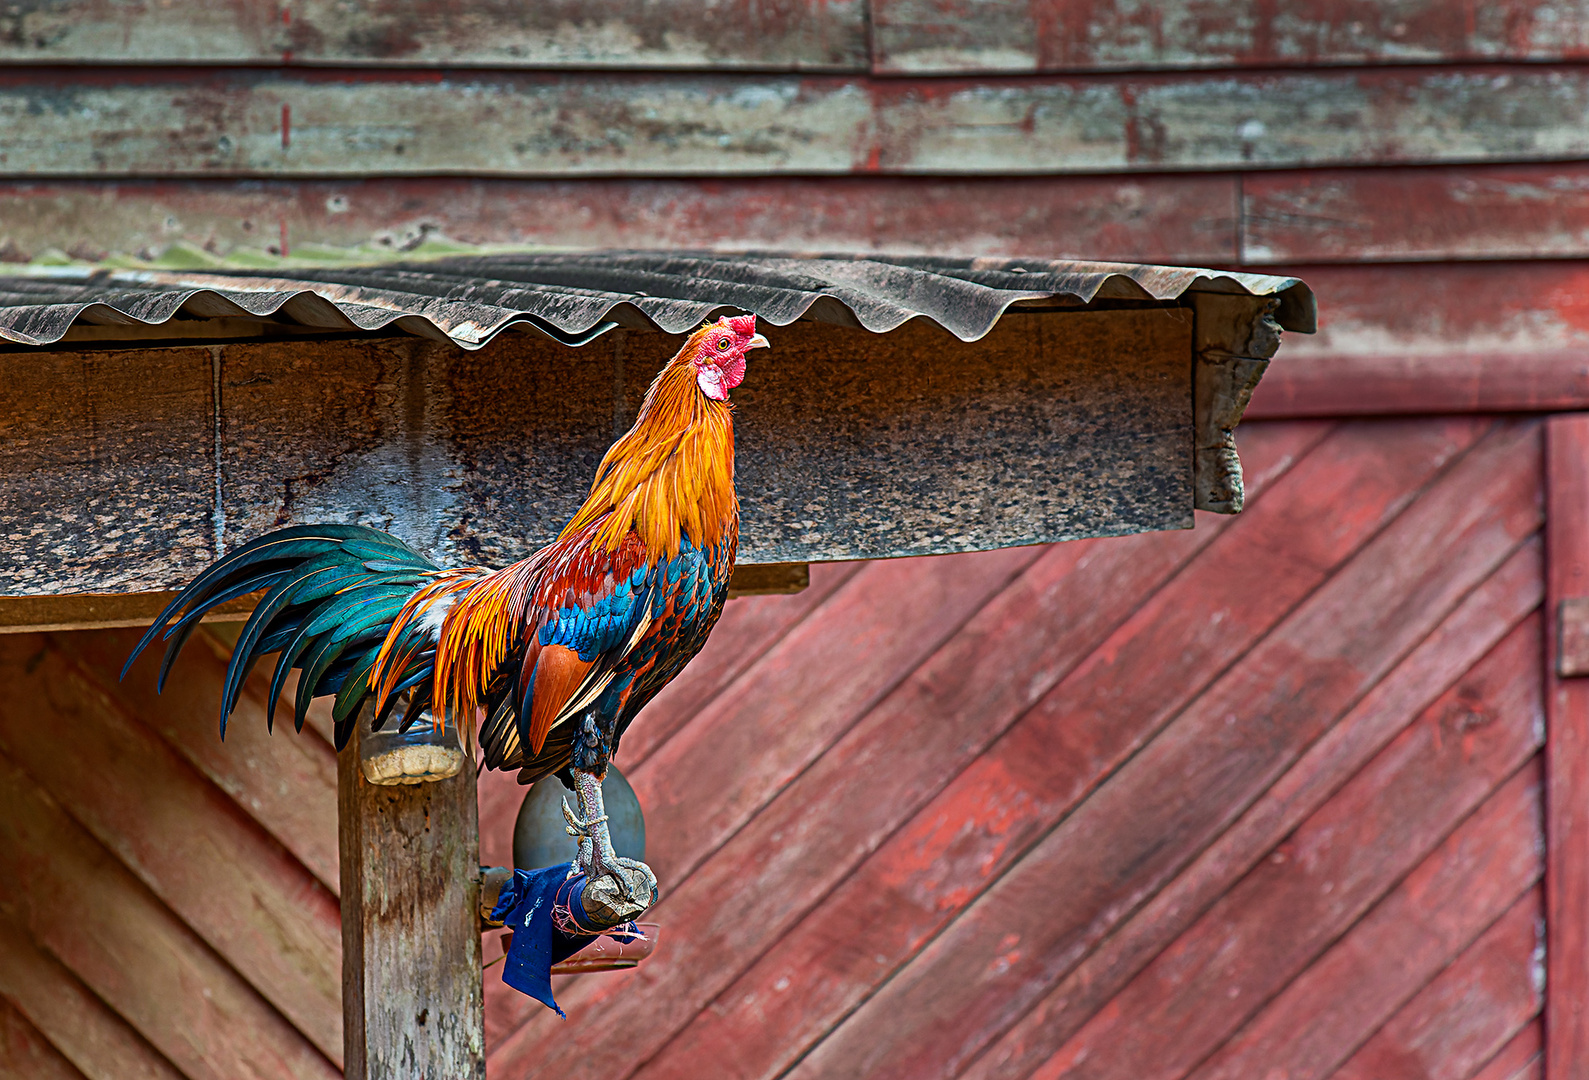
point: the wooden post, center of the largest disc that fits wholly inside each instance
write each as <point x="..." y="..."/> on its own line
<point x="411" y="987"/>
<point x="1566" y="754"/>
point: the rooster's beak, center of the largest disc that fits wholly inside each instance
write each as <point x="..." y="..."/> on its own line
<point x="757" y="342"/>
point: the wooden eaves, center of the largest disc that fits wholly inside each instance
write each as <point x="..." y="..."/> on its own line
<point x="154" y="419"/>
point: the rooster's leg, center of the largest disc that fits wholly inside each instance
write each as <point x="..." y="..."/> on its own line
<point x="596" y="855"/>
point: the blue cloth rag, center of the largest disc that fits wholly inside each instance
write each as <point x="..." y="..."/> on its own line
<point x="525" y="907"/>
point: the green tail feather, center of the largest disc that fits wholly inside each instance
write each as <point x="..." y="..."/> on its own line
<point x="332" y="592"/>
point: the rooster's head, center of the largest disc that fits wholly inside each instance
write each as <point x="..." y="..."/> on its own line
<point x="718" y="352"/>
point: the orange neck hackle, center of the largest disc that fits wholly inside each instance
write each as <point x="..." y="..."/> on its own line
<point x="673" y="473"/>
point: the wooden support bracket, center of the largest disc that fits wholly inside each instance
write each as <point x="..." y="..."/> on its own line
<point x="412" y="1003"/>
<point x="101" y="611"/>
<point x="1572" y="637"/>
<point x="1233" y="339"/>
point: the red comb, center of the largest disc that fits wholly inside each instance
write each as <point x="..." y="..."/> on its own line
<point x="741" y="324"/>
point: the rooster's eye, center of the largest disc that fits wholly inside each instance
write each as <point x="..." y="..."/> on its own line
<point x="722" y="344"/>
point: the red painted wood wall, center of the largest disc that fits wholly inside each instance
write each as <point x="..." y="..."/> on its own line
<point x="1264" y="798"/>
<point x="1260" y="799"/>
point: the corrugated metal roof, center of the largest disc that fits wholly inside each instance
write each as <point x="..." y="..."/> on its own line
<point x="576" y="297"/>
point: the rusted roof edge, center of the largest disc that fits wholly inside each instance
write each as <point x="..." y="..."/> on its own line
<point x="573" y="299"/>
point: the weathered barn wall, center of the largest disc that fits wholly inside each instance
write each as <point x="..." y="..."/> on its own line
<point x="167" y="902"/>
<point x="988" y="856"/>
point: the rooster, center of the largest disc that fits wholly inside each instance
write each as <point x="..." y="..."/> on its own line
<point x="547" y="660"/>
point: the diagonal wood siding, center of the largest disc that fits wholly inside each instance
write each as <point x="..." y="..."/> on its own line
<point x="1266" y="794"/>
<point x="156" y="924"/>
<point x="1193" y="806"/>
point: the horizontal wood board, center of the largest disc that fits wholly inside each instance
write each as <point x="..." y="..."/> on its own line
<point x="906" y="36"/>
<point x="198" y="223"/>
<point x="1466" y="212"/>
<point x="848" y="444"/>
<point x="113" y="124"/>
<point x="820" y="35"/>
<point x="940" y="36"/>
<point x="1443" y="337"/>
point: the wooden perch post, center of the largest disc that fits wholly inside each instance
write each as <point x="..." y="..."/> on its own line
<point x="411" y="988"/>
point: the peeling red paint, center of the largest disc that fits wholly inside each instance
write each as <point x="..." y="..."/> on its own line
<point x="783" y="35"/>
<point x="944" y="36"/>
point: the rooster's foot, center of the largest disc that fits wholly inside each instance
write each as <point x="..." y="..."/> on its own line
<point x="585" y="830"/>
<point x="596" y="858"/>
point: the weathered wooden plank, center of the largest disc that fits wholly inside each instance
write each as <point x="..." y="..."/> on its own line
<point x="849" y="444"/>
<point x="1519" y="1059"/>
<point x="174" y="122"/>
<point x="943" y="36"/>
<point x="1459" y="642"/>
<point x="1308" y="891"/>
<point x="1316" y="1022"/>
<point x="25" y="1054"/>
<point x="769" y="579"/>
<point x="1472" y="212"/>
<point x="790" y="34"/>
<point x="285" y="781"/>
<point x="96" y="1040"/>
<point x="103" y="458"/>
<point x="410" y="926"/>
<point x="1471" y="1011"/>
<point x="908" y="36"/>
<point x="935" y="846"/>
<point x="1233" y="338"/>
<point x="76" y="900"/>
<point x="1437" y="338"/>
<point x="1161" y="807"/>
<point x="1178" y="220"/>
<point x="981" y="429"/>
<point x="1400" y="385"/>
<point x="1566" y="756"/>
<point x="215" y="868"/>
